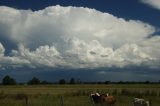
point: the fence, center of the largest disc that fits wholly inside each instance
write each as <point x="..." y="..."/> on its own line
<point x="46" y="100"/>
<point x="123" y="98"/>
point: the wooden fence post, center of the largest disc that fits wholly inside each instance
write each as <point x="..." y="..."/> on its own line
<point x="62" y="101"/>
<point x="26" y="101"/>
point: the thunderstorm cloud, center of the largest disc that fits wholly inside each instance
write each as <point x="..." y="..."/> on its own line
<point x="152" y="3"/>
<point x="75" y="37"/>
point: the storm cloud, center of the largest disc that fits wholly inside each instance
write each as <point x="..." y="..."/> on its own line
<point x="152" y="3"/>
<point x="76" y="37"/>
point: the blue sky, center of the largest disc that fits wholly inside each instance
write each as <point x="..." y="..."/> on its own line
<point x="91" y="40"/>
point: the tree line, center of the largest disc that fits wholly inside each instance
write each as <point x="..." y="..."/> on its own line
<point x="7" y="80"/>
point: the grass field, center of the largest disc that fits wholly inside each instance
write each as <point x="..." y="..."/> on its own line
<point x="76" y="95"/>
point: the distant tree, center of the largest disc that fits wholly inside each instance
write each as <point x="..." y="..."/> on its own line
<point x="79" y="81"/>
<point x="45" y="82"/>
<point x="34" y="81"/>
<point x="147" y="82"/>
<point x="99" y="82"/>
<point x="72" y="81"/>
<point x="62" y="81"/>
<point x="107" y="82"/>
<point x="120" y="82"/>
<point x="7" y="80"/>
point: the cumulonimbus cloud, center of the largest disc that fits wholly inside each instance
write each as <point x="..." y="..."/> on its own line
<point x="153" y="3"/>
<point x="76" y="37"/>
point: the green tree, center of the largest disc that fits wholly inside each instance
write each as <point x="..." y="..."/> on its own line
<point x="34" y="81"/>
<point x="62" y="81"/>
<point x="72" y="81"/>
<point x="107" y="82"/>
<point x="45" y="82"/>
<point x="7" y="80"/>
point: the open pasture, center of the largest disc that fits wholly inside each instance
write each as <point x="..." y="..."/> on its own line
<point x="76" y="95"/>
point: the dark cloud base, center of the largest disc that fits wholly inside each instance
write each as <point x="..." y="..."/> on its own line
<point x="99" y="74"/>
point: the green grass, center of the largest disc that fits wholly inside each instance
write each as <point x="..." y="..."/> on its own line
<point x="76" y="95"/>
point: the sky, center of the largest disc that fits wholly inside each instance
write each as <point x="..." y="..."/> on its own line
<point x="84" y="39"/>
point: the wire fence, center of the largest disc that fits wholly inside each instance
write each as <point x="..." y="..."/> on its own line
<point x="66" y="100"/>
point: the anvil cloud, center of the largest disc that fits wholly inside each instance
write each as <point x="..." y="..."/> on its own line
<point x="152" y="3"/>
<point x="76" y="37"/>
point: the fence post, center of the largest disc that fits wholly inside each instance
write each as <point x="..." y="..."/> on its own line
<point x="62" y="101"/>
<point x="26" y="100"/>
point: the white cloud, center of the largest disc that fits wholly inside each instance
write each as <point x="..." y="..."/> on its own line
<point x="153" y="3"/>
<point x="7" y="61"/>
<point x="75" y="37"/>
<point x="95" y="55"/>
<point x="80" y="55"/>
<point x="2" y="50"/>
<point x="54" y="24"/>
